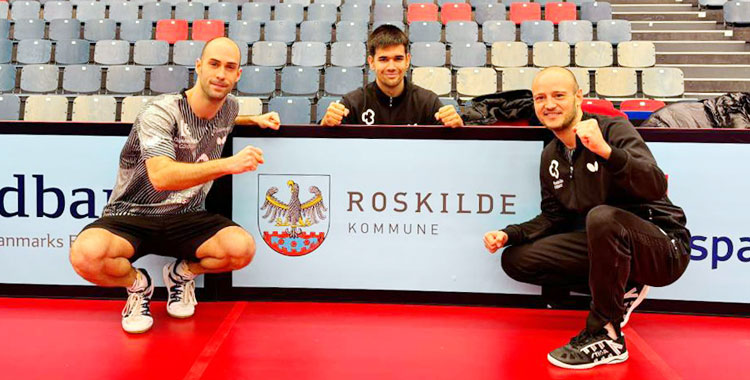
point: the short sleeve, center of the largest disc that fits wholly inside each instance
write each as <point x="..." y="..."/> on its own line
<point x="155" y="129"/>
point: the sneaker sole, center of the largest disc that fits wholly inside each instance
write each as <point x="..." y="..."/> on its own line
<point x="641" y="297"/>
<point x="179" y="316"/>
<point x="138" y="331"/>
<point x="611" y="360"/>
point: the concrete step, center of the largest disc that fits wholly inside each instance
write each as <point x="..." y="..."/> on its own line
<point x="702" y="46"/>
<point x="717" y="85"/>
<point x="678" y="35"/>
<point x="692" y="15"/>
<point x="676" y="25"/>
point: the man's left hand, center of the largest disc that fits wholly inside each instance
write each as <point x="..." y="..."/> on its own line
<point x="449" y="117"/>
<point x="590" y="134"/>
<point x="268" y="120"/>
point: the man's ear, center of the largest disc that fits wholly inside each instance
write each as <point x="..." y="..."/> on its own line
<point x="370" y="62"/>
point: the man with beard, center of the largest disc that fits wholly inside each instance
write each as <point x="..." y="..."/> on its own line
<point x="606" y="221"/>
<point x="391" y="99"/>
<point x="167" y="166"/>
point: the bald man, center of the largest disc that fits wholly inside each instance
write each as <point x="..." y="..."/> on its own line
<point x="167" y="166"/>
<point x="606" y="222"/>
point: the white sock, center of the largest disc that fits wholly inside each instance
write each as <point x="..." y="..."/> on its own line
<point x="183" y="270"/>
<point x="140" y="284"/>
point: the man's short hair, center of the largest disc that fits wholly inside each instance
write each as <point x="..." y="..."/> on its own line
<point x="386" y="35"/>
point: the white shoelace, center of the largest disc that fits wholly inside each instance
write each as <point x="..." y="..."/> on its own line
<point x="134" y="300"/>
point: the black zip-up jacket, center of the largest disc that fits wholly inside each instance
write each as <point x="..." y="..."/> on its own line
<point x="369" y="105"/>
<point x="629" y="179"/>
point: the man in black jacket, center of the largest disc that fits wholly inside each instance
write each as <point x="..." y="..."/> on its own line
<point x="391" y="98"/>
<point x="605" y="220"/>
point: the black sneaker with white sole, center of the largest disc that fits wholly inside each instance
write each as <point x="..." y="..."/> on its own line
<point x="588" y="350"/>
<point x="632" y="299"/>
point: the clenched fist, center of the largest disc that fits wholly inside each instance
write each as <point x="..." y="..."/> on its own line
<point x="449" y="117"/>
<point x="591" y="137"/>
<point x="245" y="160"/>
<point x="335" y="113"/>
<point x="495" y="240"/>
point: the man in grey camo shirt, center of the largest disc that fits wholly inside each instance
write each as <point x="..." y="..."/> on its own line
<point x="166" y="169"/>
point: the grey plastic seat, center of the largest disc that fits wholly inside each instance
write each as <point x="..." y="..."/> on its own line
<point x="425" y="31"/>
<point x="576" y="31"/>
<point x="476" y="81"/>
<point x="582" y="77"/>
<point x="616" y="81"/>
<point x="21" y="10"/>
<point x="151" y="52"/>
<point x="470" y="54"/>
<point x="64" y="29"/>
<point x="156" y="10"/>
<point x="281" y="30"/>
<point x="518" y="78"/>
<point x="596" y="11"/>
<point x="255" y="11"/>
<point x="737" y="12"/>
<point x="165" y="79"/>
<point x="4" y="7"/>
<point x="461" y="32"/>
<point x="537" y="31"/>
<point x="318" y="31"/>
<point x="257" y="80"/>
<point x="99" y="30"/>
<point x="34" y="51"/>
<point x="309" y="54"/>
<point x="269" y="53"/>
<point x="7" y="78"/>
<point x="358" y="2"/>
<point x="498" y="31"/>
<point x="185" y="53"/>
<point x="291" y="109"/>
<point x="10" y="107"/>
<point x="300" y="80"/>
<point x="4" y="28"/>
<point x="190" y="11"/>
<point x="348" y="53"/>
<point x="510" y="54"/>
<point x="351" y="31"/>
<point x="54" y="10"/>
<point x="123" y="10"/>
<point x="322" y="106"/>
<point x="388" y="12"/>
<point x="428" y="54"/>
<point x="135" y="30"/>
<point x="82" y="79"/>
<point x="594" y="54"/>
<point x="46" y="108"/>
<point x="335" y="3"/>
<point x="94" y="108"/>
<point x="39" y="78"/>
<point x="579" y="2"/>
<point x="72" y="52"/>
<point x="355" y="12"/>
<point x="243" y="30"/>
<point x="392" y="2"/>
<point x="131" y="106"/>
<point x="223" y="11"/>
<point x="112" y="52"/>
<point x="322" y="12"/>
<point x="250" y="105"/>
<point x="90" y="10"/>
<point x="303" y="3"/>
<point x="28" y="29"/>
<point x="290" y="12"/>
<point x="636" y="54"/>
<point x="551" y="53"/>
<point x="126" y="79"/>
<point x="342" y="80"/>
<point x="6" y="51"/>
<point x="663" y="82"/>
<point x="435" y="79"/>
<point x="489" y="12"/>
<point x="613" y="31"/>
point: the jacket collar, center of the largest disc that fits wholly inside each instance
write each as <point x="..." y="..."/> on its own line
<point x="386" y="100"/>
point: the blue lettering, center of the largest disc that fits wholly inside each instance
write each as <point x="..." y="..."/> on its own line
<point x="46" y="207"/>
<point x="715" y="256"/>
<point x="21" y="204"/>
<point x="40" y="191"/>
<point x="694" y="246"/>
<point x="742" y="253"/>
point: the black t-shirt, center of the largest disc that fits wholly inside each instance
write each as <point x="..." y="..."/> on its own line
<point x="369" y="105"/>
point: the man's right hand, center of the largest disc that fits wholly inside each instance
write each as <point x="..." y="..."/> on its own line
<point x="335" y="113"/>
<point x="495" y="240"/>
<point x="245" y="160"/>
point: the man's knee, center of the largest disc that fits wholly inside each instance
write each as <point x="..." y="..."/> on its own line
<point x="514" y="265"/>
<point x="237" y="246"/>
<point x="602" y="219"/>
<point x="87" y="256"/>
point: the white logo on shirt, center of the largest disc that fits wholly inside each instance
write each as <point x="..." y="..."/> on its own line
<point x="593" y="167"/>
<point x="368" y="117"/>
<point x="553" y="169"/>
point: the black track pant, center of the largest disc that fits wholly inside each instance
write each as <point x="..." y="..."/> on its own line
<point x="616" y="247"/>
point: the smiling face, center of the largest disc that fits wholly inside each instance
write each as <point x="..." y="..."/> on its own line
<point x="218" y="68"/>
<point x="390" y="64"/>
<point x="557" y="98"/>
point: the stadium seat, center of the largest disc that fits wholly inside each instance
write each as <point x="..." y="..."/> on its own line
<point x="72" y="52"/>
<point x="112" y="52"/>
<point x="290" y="12"/>
<point x="422" y="12"/>
<point x="34" y="51"/>
<point x="250" y="105"/>
<point x="558" y="12"/>
<point x="22" y="10"/>
<point x="54" y="10"/>
<point x="82" y="79"/>
<point x="120" y="11"/>
<point x="322" y="12"/>
<point x="636" y="54"/>
<point x="461" y="32"/>
<point x="151" y="52"/>
<point x="573" y="32"/>
<point x="348" y="54"/>
<point x="551" y="53"/>
<point x="4" y="29"/>
<point x="425" y="31"/>
<point x="166" y="79"/>
<point x="640" y="109"/>
<point x="476" y="81"/>
<point x="172" y="30"/>
<point x="613" y="31"/>
<point x="388" y="12"/>
<point x="185" y="53"/>
<point x="309" y="54"/>
<point x="259" y="12"/>
<point x="135" y="30"/>
<point x="99" y="30"/>
<point x="427" y="54"/>
<point x="498" y="31"/>
<point x="281" y="31"/>
<point x="737" y="12"/>
<point x="616" y="82"/>
<point x="489" y="12"/>
<point x="131" y="106"/>
<point x="94" y="108"/>
<point x="28" y="29"/>
<point x="322" y="106"/>
<point x="10" y="107"/>
<point x="64" y="29"/>
<point x="455" y="12"/>
<point x="206" y="30"/>
<point x="518" y="78"/>
<point x="663" y="82"/>
<point x="537" y="31"/>
<point x="471" y="54"/>
<point x="523" y="11"/>
<point x="6" y="51"/>
<point x="435" y="79"/>
<point x="126" y="79"/>
<point x="46" y="108"/>
<point x="156" y="10"/>
<point x="303" y="81"/>
<point x="583" y="78"/>
<point x="257" y="81"/>
<point x="269" y="53"/>
<point x="351" y="31"/>
<point x="596" y="11"/>
<point x="223" y="11"/>
<point x="90" y="10"/>
<point x="244" y="31"/>
<point x="342" y="80"/>
<point x="7" y="78"/>
<point x="291" y="109"/>
<point x="510" y="54"/>
<point x="355" y="12"/>
<point x="190" y="11"/>
<point x="317" y="31"/>
<point x="593" y="54"/>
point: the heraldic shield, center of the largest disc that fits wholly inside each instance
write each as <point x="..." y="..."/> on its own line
<point x="293" y="211"/>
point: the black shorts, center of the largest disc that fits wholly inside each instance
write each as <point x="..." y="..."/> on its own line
<point x="177" y="236"/>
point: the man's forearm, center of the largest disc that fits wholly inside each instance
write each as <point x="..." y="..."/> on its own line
<point x="167" y="174"/>
<point x="246" y="120"/>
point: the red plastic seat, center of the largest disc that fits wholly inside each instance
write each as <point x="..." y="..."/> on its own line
<point x="557" y="12"/>
<point x="171" y="30"/>
<point x="641" y="105"/>
<point x="520" y="12"/>
<point x="455" y="12"/>
<point x="422" y="12"/>
<point x="601" y="107"/>
<point x="205" y="30"/>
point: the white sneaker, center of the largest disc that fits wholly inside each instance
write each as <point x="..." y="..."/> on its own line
<point x="181" y="300"/>
<point x="136" y="316"/>
<point x="632" y="299"/>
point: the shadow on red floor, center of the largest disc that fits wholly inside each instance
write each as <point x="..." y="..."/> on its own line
<point x="82" y="339"/>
